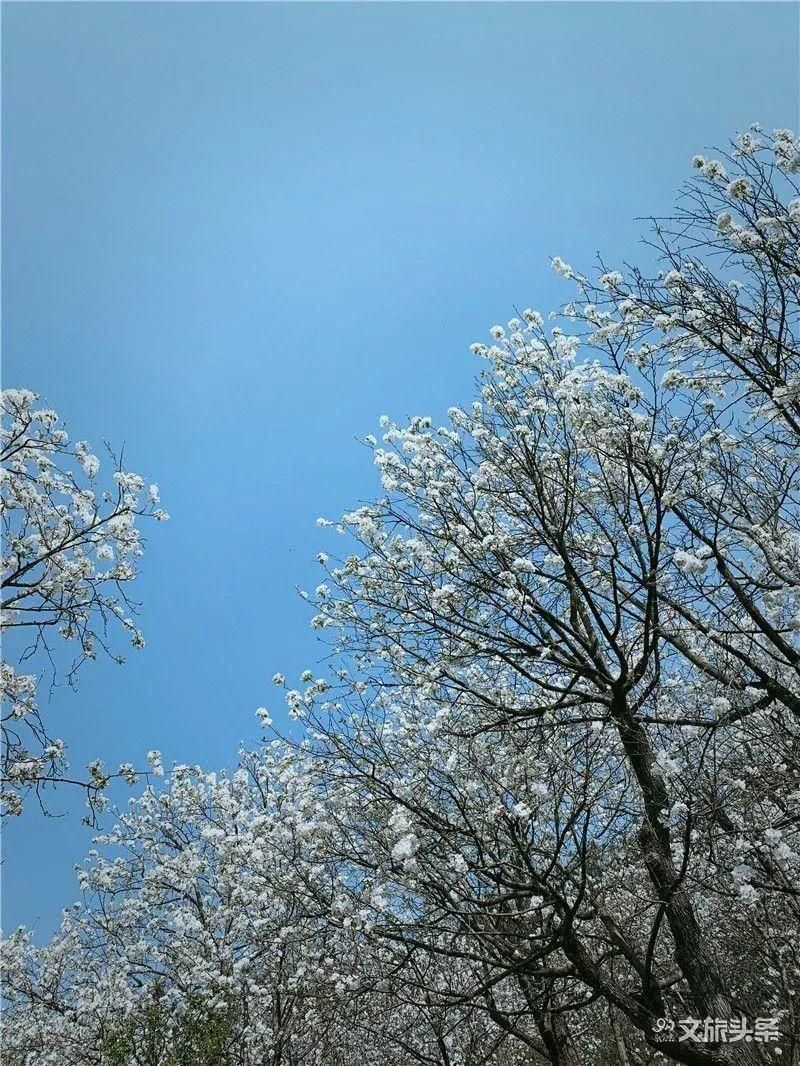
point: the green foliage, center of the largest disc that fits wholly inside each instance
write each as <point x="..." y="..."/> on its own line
<point x="202" y="1037"/>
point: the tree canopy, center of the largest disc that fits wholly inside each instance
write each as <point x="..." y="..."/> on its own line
<point x="543" y="803"/>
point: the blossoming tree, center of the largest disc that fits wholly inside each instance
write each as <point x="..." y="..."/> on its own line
<point x="70" y="552"/>
<point x="599" y="561"/>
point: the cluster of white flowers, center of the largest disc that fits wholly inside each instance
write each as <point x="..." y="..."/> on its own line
<point x="68" y="551"/>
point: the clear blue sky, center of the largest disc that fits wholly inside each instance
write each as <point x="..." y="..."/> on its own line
<point x="236" y="234"/>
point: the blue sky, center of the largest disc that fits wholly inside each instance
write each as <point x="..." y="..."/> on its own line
<point x="236" y="234"/>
